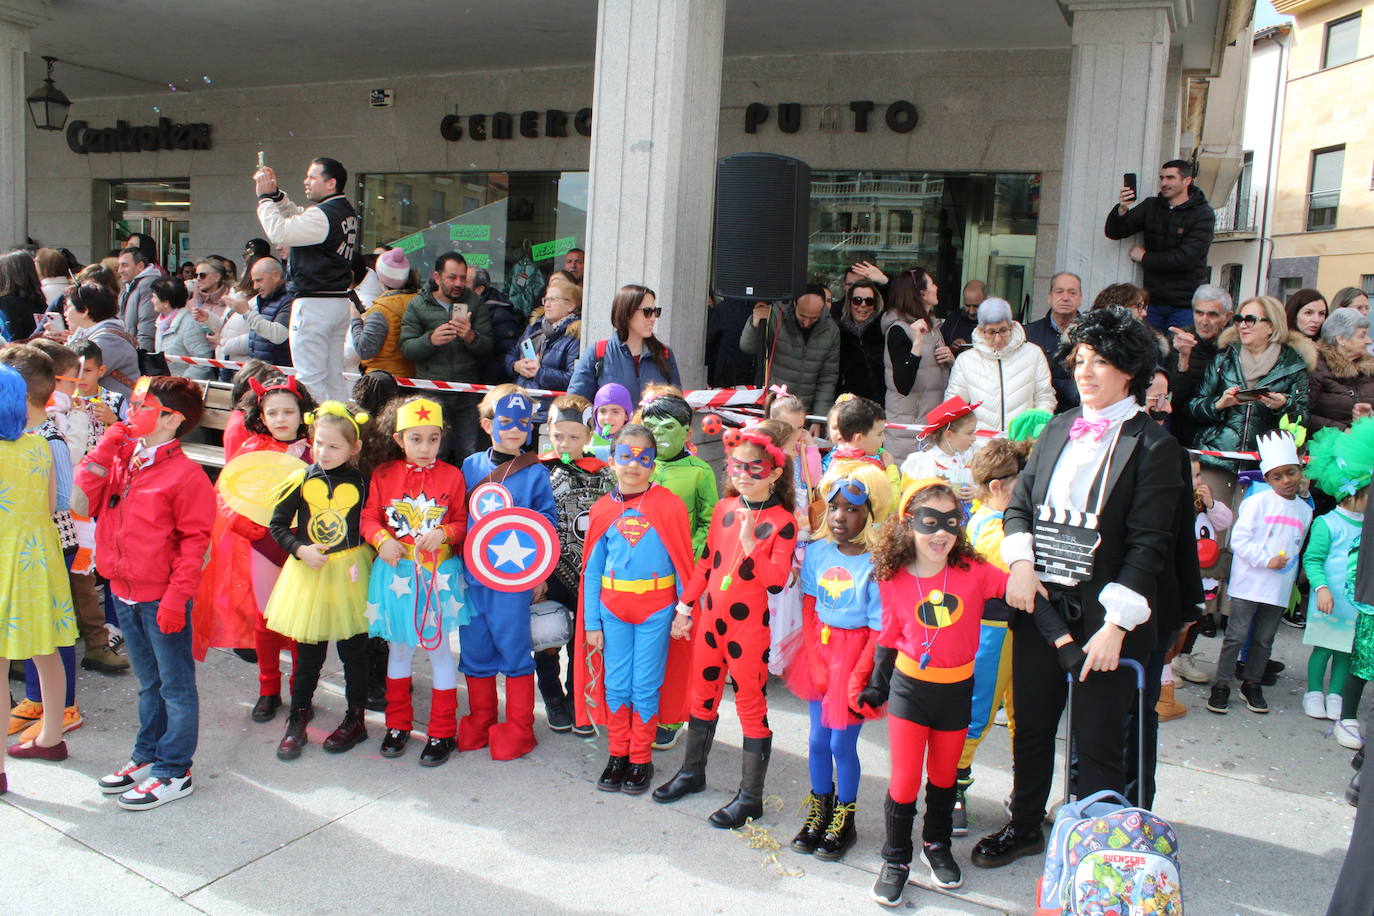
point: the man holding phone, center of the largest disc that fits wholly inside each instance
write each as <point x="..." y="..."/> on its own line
<point x="446" y="331"/>
<point x="1176" y="228"/>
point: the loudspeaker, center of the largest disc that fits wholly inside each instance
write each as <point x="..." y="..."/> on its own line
<point x="762" y="221"/>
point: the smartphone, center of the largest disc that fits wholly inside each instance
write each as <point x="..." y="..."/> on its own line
<point x="1251" y="394"/>
<point x="527" y="349"/>
<point x="261" y="160"/>
<point x="460" y="310"/>
<point x="1130" y="181"/>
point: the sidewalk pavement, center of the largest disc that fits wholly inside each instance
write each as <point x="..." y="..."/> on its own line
<point x="1256" y="801"/>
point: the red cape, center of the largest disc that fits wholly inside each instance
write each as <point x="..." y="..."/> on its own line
<point x="668" y="517"/>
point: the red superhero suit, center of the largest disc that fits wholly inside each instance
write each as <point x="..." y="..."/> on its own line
<point x="227" y="612"/>
<point x="664" y="513"/>
<point x="730" y="589"/>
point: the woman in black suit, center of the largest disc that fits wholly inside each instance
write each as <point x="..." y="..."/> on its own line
<point x="1106" y="459"/>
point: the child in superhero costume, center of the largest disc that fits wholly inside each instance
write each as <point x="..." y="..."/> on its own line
<point x="416" y="517"/>
<point x="496" y="638"/>
<point x="321" y="595"/>
<point x="611" y="410"/>
<point x="639" y="554"/>
<point x="244" y="560"/>
<point x="578" y="479"/>
<point x="935" y="591"/>
<point x="748" y="553"/>
<point x="842" y="615"/>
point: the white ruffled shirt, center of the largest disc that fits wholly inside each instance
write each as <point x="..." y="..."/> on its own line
<point x="1071" y="487"/>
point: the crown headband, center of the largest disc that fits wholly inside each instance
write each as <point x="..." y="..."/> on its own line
<point x="288" y="384"/>
<point x="337" y="409"/>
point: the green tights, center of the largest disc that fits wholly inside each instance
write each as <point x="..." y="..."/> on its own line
<point x="1340" y="668"/>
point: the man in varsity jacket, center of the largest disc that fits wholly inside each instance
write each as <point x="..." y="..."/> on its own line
<point x="324" y="252"/>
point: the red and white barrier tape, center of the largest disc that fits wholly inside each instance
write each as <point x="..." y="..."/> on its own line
<point x="701" y="399"/>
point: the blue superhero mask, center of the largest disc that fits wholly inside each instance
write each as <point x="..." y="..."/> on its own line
<point x="513" y="411"/>
<point x="642" y="455"/>
<point x="855" y="492"/>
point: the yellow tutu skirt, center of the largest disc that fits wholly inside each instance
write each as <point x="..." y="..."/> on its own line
<point x="322" y="605"/>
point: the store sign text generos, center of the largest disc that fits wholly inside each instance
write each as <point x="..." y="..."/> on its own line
<point x="900" y="117"/>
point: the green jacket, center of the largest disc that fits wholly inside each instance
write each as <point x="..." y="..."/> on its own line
<point x="692" y="481"/>
<point x="808" y="366"/>
<point x="456" y="361"/>
<point x="1236" y="429"/>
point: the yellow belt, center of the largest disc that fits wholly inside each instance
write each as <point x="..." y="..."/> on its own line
<point x="638" y="586"/>
<point x="434" y="559"/>
<point x="912" y="669"/>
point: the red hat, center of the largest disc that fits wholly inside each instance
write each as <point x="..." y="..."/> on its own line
<point x="946" y="413"/>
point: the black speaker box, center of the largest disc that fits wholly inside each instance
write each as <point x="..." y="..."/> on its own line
<point x="762" y="222"/>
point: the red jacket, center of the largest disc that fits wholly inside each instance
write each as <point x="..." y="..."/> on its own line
<point x="151" y="542"/>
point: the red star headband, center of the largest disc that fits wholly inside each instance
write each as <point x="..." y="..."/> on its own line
<point x="419" y="412"/>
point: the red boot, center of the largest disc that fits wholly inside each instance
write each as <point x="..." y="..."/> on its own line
<point x="443" y="713"/>
<point x="474" y="728"/>
<point x="400" y="712"/>
<point x="642" y="738"/>
<point x="515" y="737"/>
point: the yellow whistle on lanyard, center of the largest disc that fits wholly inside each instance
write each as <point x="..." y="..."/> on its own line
<point x="825" y="635"/>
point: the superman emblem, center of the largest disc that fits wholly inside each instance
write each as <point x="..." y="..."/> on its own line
<point x="631" y="528"/>
<point x="835" y="581"/>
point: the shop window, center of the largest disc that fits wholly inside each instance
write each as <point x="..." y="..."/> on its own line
<point x="1288" y="286"/>
<point x="957" y="226"/>
<point x="1230" y="280"/>
<point x="1367" y="284"/>
<point x="1342" y="42"/>
<point x="1324" y="188"/>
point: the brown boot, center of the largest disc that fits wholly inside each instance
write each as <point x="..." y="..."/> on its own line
<point x="1169" y="708"/>
<point x="351" y="731"/>
<point x="295" y="739"/>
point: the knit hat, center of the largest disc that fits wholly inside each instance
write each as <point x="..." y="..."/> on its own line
<point x="1276" y="450"/>
<point x="393" y="269"/>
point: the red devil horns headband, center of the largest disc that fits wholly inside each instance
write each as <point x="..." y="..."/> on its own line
<point x="737" y="437"/>
<point x="287" y="384"/>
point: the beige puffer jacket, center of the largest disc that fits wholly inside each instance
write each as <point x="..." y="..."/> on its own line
<point x="1007" y="381"/>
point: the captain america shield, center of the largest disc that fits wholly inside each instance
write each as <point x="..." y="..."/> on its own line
<point x="511" y="551"/>
<point x="488" y="498"/>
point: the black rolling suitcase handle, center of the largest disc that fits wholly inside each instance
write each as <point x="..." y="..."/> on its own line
<point x="1140" y="736"/>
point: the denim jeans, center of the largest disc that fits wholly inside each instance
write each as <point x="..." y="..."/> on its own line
<point x="168" y="706"/>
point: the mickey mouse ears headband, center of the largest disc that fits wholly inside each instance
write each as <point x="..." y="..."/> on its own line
<point x="338" y="409"/>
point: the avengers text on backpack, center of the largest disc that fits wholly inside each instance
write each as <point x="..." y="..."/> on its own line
<point x="1106" y="857"/>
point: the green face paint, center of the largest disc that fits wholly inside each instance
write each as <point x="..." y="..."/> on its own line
<point x="670" y="436"/>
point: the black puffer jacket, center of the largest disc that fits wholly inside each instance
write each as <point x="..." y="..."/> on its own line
<point x="1176" y="243"/>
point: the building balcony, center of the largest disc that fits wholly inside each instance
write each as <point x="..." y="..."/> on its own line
<point x="1238" y="216"/>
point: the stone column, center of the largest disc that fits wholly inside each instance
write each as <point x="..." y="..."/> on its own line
<point x="656" y="113"/>
<point x="16" y="18"/>
<point x="1117" y="104"/>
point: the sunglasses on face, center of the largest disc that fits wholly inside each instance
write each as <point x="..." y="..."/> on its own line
<point x="862" y="300"/>
<point x="926" y="520"/>
<point x="1251" y="320"/>
<point x="651" y="311"/>
<point x="755" y="469"/>
<point x="201" y="276"/>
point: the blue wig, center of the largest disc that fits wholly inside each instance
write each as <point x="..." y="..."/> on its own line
<point x="14" y="404"/>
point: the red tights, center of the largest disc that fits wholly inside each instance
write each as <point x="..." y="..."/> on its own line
<point x="908" y="742"/>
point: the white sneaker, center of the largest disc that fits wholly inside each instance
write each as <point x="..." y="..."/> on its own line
<point x="1001" y="717"/>
<point x="1187" y="668"/>
<point x="1333" y="707"/>
<point x="124" y="778"/>
<point x="1314" y="704"/>
<point x="1348" y="734"/>
<point x="155" y="791"/>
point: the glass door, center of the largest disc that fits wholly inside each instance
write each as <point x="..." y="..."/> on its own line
<point x="160" y="208"/>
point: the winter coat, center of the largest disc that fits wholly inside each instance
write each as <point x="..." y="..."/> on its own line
<point x="557" y="350"/>
<point x="506" y="328"/>
<point x="619" y="365"/>
<point x="1235" y="429"/>
<point x="926" y="392"/>
<point x="180" y="335"/>
<point x="1007" y="381"/>
<point x="136" y="306"/>
<point x="118" y="351"/>
<point x="1336" y="385"/>
<point x="1045" y="334"/>
<point x="455" y="361"/>
<point x="1176" y="241"/>
<point x="18" y="315"/>
<point x="276" y="309"/>
<point x="861" y="361"/>
<point x="1183" y="385"/>
<point x="392" y="306"/>
<point x="808" y="366"/>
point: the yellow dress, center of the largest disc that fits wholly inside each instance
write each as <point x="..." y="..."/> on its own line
<point x="36" y="616"/>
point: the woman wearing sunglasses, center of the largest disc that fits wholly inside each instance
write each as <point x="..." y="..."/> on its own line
<point x="861" y="341"/>
<point x="1258" y="377"/>
<point x="634" y="357"/>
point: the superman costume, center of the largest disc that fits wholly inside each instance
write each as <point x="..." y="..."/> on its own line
<point x="496" y="638"/>
<point x="639" y="557"/>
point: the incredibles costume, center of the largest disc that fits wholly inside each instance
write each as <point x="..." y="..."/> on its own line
<point x="639" y="558"/>
<point x="930" y="635"/>
<point x="238" y="580"/>
<point x="496" y="637"/>
<point x="318" y="606"/>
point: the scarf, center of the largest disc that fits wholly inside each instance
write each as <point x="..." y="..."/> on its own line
<point x="1253" y="368"/>
<point x="546" y="330"/>
<point x="857" y="328"/>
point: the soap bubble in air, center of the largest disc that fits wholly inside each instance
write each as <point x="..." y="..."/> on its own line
<point x="207" y="79"/>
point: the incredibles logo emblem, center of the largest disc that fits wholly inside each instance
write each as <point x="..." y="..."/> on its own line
<point x="940" y="610"/>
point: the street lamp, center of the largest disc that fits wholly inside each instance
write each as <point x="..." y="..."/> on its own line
<point x="48" y="105"/>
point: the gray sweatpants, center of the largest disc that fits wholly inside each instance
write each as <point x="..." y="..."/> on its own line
<point x="1265" y="619"/>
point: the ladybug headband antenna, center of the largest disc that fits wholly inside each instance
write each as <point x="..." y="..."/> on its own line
<point x="338" y="409"/>
<point x="287" y="383"/>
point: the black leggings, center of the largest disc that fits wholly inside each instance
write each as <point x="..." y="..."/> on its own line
<point x="310" y="660"/>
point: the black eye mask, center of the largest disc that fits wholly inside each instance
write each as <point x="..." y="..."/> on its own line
<point x="926" y="520"/>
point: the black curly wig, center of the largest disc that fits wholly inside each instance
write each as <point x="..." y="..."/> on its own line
<point x="1121" y="340"/>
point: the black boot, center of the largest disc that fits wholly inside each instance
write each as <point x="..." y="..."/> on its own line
<point x="265" y="709"/>
<point x="840" y="835"/>
<point x="818" y="810"/>
<point x="692" y="776"/>
<point x="748" y="801"/>
<point x="557" y="708"/>
<point x="351" y="731"/>
<point x="294" y="740"/>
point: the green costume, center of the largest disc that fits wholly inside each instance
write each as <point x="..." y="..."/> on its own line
<point x="693" y="482"/>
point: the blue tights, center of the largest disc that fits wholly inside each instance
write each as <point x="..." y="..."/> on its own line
<point x="840" y="745"/>
<point x="68" y="654"/>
